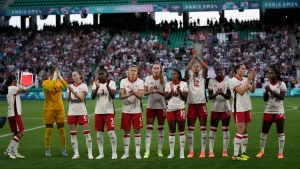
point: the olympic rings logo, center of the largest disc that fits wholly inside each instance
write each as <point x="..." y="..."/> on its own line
<point x="254" y="5"/>
<point x="175" y="7"/>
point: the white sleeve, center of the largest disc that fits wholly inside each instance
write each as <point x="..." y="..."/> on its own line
<point x="122" y="85"/>
<point x="167" y="88"/>
<point x="283" y="86"/>
<point x="141" y="85"/>
<point x="185" y="88"/>
<point x="210" y="84"/>
<point x="146" y="82"/>
<point x="112" y="85"/>
<point x="94" y="86"/>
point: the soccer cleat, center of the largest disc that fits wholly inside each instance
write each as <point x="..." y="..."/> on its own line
<point x="191" y="155"/>
<point x="19" y="155"/>
<point x="280" y="155"/>
<point x="245" y="156"/>
<point x="224" y="154"/>
<point x="238" y="158"/>
<point x="260" y="154"/>
<point x="48" y="154"/>
<point x="114" y="156"/>
<point x="75" y="156"/>
<point x="170" y="156"/>
<point x="138" y="156"/>
<point x="90" y="157"/>
<point x="159" y="153"/>
<point x="64" y="154"/>
<point x="202" y="154"/>
<point x="125" y="156"/>
<point x="9" y="154"/>
<point x="100" y="156"/>
<point x="211" y="155"/>
<point x="181" y="155"/>
<point x="147" y="154"/>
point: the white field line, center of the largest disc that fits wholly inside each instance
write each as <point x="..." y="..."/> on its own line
<point x="35" y="128"/>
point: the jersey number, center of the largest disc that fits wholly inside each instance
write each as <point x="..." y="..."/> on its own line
<point x="196" y="83"/>
<point x="102" y="92"/>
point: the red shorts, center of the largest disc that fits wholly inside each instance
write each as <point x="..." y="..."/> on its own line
<point x="197" y="110"/>
<point x="178" y="115"/>
<point x="220" y="115"/>
<point x="135" y="119"/>
<point x="81" y="119"/>
<point x="242" y="117"/>
<point x="101" y="119"/>
<point x="152" y="113"/>
<point x="16" y="124"/>
<point x="273" y="117"/>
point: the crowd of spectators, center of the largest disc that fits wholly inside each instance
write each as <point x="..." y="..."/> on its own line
<point x="67" y="48"/>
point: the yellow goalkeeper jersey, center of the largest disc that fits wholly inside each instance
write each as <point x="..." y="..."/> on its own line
<point x="53" y="94"/>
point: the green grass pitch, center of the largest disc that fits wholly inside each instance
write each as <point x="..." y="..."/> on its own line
<point x="32" y="144"/>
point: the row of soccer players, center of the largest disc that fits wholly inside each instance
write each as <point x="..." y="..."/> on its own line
<point x="165" y="100"/>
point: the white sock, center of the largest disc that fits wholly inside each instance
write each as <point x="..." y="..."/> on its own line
<point x="137" y="141"/>
<point x="148" y="136"/>
<point x="281" y="140"/>
<point x="171" y="142"/>
<point x="226" y="137"/>
<point x="160" y="136"/>
<point x="15" y="148"/>
<point x="244" y="143"/>
<point x="203" y="138"/>
<point x="126" y="141"/>
<point x="74" y="142"/>
<point x="182" y="141"/>
<point x="88" y="140"/>
<point x="263" y="139"/>
<point x="14" y="141"/>
<point x="100" y="141"/>
<point x="113" y="141"/>
<point x="237" y="141"/>
<point x="212" y="135"/>
<point x="190" y="136"/>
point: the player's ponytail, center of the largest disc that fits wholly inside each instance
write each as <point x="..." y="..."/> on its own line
<point x="9" y="80"/>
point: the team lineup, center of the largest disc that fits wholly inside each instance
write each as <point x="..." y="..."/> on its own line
<point x="166" y="100"/>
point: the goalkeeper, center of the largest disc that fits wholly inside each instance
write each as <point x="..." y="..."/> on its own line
<point x="54" y="109"/>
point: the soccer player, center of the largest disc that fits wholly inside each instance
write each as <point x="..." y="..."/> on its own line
<point x="176" y="93"/>
<point x="14" y="116"/>
<point x="104" y="90"/>
<point x="274" y="93"/>
<point x="154" y="88"/>
<point x="196" y="102"/>
<point x="77" y="113"/>
<point x="219" y="93"/>
<point x="131" y="94"/>
<point x="54" y="109"/>
<point x="241" y="106"/>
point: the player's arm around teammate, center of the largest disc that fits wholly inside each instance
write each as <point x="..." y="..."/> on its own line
<point x="131" y="94"/>
<point x="196" y="102"/>
<point x="104" y="91"/>
<point x="154" y="88"/>
<point x="274" y="94"/>
<point x="219" y="93"/>
<point x="77" y="113"/>
<point x="14" y="116"/>
<point x="54" y="109"/>
<point x="176" y="94"/>
<point x="239" y="87"/>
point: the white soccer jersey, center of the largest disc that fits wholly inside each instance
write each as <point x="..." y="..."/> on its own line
<point x="131" y="104"/>
<point x="14" y="101"/>
<point x="219" y="103"/>
<point x="77" y="107"/>
<point x="155" y="101"/>
<point x="196" y="87"/>
<point x="275" y="105"/>
<point x="241" y="103"/>
<point x="176" y="103"/>
<point x="104" y="103"/>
